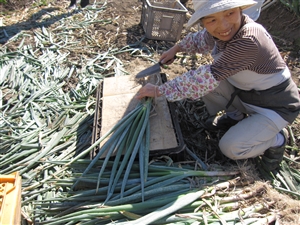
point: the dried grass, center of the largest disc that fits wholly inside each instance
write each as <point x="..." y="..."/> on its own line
<point x="287" y="208"/>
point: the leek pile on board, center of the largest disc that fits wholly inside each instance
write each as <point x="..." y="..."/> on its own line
<point x="130" y="137"/>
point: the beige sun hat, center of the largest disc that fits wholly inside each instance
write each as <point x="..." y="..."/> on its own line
<point x="206" y="7"/>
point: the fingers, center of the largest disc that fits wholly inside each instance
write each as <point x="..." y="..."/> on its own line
<point x="146" y="91"/>
<point x="138" y="95"/>
<point x="141" y="93"/>
<point x="167" y="60"/>
<point x="168" y="56"/>
<point x="170" y="61"/>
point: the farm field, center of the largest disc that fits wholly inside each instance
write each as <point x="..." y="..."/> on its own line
<point x="52" y="59"/>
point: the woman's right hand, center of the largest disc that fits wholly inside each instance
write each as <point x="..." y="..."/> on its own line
<point x="168" y="56"/>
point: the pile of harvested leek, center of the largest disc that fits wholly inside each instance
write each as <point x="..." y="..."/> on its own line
<point x="46" y="128"/>
<point x="170" y="197"/>
<point x="130" y="136"/>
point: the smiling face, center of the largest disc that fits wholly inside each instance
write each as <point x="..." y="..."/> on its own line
<point x="223" y="25"/>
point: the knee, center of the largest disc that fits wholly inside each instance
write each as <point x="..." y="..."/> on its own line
<point x="227" y="149"/>
<point x="232" y="149"/>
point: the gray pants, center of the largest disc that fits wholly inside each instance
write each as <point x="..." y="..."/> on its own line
<point x="248" y="138"/>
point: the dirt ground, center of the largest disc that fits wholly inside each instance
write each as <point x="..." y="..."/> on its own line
<point x="126" y="29"/>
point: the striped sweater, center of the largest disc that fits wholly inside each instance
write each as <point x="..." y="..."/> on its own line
<point x="252" y="49"/>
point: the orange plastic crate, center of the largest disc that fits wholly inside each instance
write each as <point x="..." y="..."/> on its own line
<point x="10" y="191"/>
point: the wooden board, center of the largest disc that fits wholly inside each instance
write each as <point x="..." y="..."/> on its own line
<point x="118" y="99"/>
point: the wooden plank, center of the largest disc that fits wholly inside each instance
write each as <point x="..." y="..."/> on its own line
<point x="118" y="99"/>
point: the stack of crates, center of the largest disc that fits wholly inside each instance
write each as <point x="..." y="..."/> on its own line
<point x="10" y="201"/>
<point x="163" y="19"/>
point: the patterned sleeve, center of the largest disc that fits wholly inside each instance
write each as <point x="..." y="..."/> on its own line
<point x="199" y="42"/>
<point x="192" y="84"/>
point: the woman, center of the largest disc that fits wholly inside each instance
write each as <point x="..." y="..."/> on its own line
<point x="248" y="77"/>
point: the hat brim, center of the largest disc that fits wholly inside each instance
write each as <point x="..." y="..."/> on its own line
<point x="208" y="10"/>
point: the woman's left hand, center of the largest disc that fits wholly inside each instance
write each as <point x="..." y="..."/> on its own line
<point x="149" y="90"/>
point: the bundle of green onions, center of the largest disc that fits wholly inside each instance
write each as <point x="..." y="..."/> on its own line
<point x="171" y="198"/>
<point x="131" y="136"/>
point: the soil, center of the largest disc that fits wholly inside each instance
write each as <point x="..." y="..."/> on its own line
<point x="126" y="29"/>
